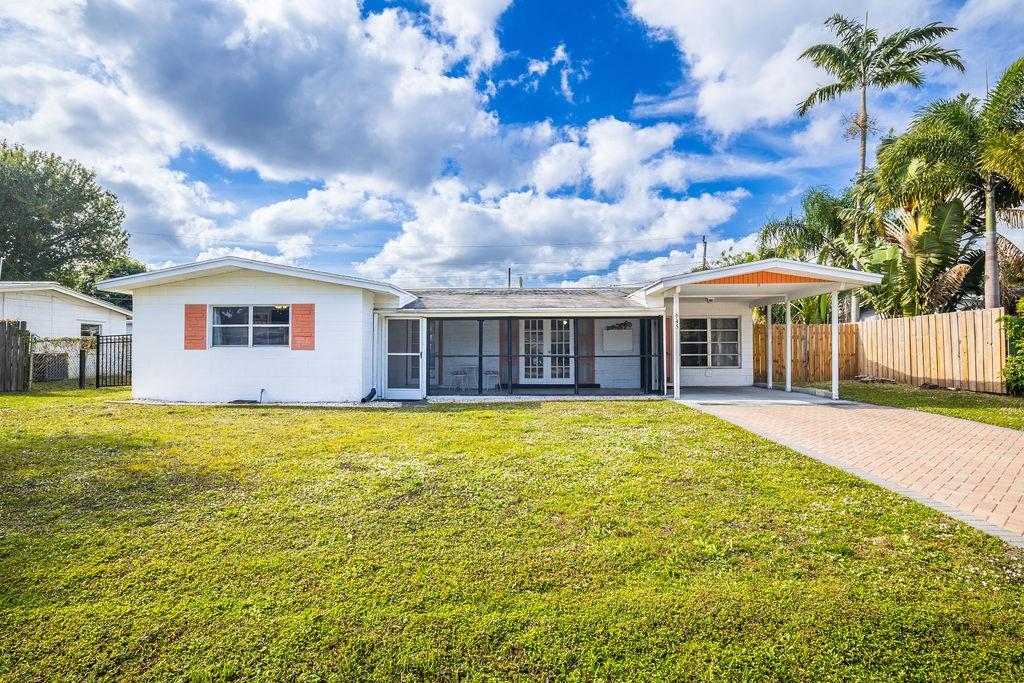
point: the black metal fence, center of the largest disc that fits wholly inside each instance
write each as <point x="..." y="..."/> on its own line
<point x="113" y="361"/>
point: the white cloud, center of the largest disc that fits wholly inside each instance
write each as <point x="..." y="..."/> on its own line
<point x="632" y="271"/>
<point x="618" y="151"/>
<point x="472" y="23"/>
<point x="457" y="241"/>
<point x="252" y="254"/>
<point x="537" y="69"/>
<point x="292" y="89"/>
<point x="561" y="165"/>
<point x="387" y="112"/>
<point x="459" y="236"/>
<point x="126" y="140"/>
<point x="742" y="57"/>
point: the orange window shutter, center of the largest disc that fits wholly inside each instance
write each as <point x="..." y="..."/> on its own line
<point x="195" y="327"/>
<point x="303" y="327"/>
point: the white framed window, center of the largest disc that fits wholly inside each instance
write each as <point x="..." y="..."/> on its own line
<point x="251" y="325"/>
<point x="91" y="329"/>
<point x="709" y="342"/>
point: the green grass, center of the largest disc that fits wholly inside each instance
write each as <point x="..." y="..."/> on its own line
<point x="1003" y="411"/>
<point x="557" y="541"/>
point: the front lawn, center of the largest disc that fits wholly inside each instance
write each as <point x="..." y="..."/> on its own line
<point x="1000" y="410"/>
<point x="566" y="540"/>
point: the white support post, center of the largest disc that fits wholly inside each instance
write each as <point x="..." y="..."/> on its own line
<point x="677" y="362"/>
<point x="835" y="346"/>
<point x="769" y="335"/>
<point x="664" y="352"/>
<point x="789" y="347"/>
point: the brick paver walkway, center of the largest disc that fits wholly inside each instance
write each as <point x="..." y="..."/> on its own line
<point x="970" y="470"/>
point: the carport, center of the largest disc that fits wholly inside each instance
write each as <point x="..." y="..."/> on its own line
<point x="753" y="284"/>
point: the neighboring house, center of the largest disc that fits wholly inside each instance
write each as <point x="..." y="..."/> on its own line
<point x="52" y="310"/>
<point x="234" y="329"/>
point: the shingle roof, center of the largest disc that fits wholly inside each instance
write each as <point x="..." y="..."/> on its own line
<point x="469" y="299"/>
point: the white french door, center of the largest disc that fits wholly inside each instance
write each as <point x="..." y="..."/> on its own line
<point x="404" y="369"/>
<point x="545" y="351"/>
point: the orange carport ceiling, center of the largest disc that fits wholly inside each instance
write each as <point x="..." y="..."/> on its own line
<point x="759" y="282"/>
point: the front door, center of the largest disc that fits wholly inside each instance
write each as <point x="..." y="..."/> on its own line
<point x="545" y="351"/>
<point x="404" y="369"/>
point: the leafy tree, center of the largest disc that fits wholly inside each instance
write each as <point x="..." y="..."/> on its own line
<point x="965" y="146"/>
<point x="55" y="220"/>
<point x="86" y="279"/>
<point x="861" y="60"/>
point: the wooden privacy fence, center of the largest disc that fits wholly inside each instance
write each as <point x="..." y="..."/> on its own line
<point x="13" y="355"/>
<point x="961" y="350"/>
<point x="812" y="353"/>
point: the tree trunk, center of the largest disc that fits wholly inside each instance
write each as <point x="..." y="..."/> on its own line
<point x="992" y="298"/>
<point x="863" y="123"/>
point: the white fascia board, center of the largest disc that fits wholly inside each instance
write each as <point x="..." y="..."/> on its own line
<point x="229" y="263"/>
<point x="851" y="279"/>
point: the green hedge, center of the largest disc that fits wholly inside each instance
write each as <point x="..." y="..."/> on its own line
<point x="1013" y="373"/>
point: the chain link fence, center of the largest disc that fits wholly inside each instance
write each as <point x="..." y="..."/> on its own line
<point x="59" y="361"/>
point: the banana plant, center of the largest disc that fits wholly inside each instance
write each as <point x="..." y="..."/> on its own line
<point x="924" y="259"/>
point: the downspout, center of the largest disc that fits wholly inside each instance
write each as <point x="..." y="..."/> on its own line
<point x="374" y="359"/>
<point x="677" y="363"/>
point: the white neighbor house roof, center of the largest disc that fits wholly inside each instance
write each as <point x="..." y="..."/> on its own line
<point x="227" y="264"/>
<point x="46" y="285"/>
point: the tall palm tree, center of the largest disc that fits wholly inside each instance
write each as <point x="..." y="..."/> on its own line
<point x="968" y="146"/>
<point x="861" y="60"/>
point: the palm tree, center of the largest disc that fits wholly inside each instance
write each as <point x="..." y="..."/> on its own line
<point x="821" y="233"/>
<point x="965" y="145"/>
<point x="818" y="234"/>
<point x="861" y="60"/>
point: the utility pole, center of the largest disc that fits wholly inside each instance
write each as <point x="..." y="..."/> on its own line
<point x="704" y="258"/>
<point x="510" y="277"/>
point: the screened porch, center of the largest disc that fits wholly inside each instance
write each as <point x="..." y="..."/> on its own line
<point x="544" y="355"/>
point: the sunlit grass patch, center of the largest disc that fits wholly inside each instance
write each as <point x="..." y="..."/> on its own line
<point x="995" y="409"/>
<point x="564" y="540"/>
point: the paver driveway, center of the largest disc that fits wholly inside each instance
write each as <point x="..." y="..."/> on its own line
<point x="970" y="470"/>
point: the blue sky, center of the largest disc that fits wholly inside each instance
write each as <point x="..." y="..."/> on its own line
<point x="441" y="142"/>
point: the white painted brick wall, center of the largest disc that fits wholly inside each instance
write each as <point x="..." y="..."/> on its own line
<point x="337" y="370"/>
<point x="616" y="373"/>
<point x="53" y="314"/>
<point x="720" y="377"/>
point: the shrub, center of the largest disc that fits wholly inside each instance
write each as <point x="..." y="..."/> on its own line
<point x="1013" y="373"/>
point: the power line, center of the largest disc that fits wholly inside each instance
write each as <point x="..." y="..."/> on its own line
<point x="347" y="245"/>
